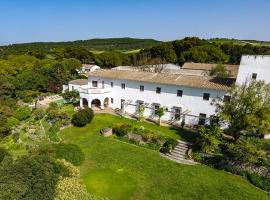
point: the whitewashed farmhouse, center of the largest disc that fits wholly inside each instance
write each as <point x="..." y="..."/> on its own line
<point x="186" y="94"/>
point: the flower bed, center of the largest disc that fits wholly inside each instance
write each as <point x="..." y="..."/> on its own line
<point x="141" y="136"/>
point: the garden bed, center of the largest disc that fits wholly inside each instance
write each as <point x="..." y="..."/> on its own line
<point x="141" y="136"/>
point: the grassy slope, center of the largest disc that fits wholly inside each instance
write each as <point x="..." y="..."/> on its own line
<point x="123" y="171"/>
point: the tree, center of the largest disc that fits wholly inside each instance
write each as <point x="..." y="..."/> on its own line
<point x="209" y="138"/>
<point x="29" y="177"/>
<point x="247" y="150"/>
<point x="159" y="112"/>
<point x="205" y="54"/>
<point x="219" y="71"/>
<point x="79" y="53"/>
<point x="72" y="96"/>
<point x="109" y="59"/>
<point x="165" y="52"/>
<point x="141" y="112"/>
<point x="247" y="110"/>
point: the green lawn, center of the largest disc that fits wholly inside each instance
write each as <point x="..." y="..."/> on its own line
<point x="118" y="170"/>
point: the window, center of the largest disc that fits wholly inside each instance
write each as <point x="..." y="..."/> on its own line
<point x="112" y="100"/>
<point x="141" y="88"/>
<point x="158" y="90"/>
<point x="123" y="85"/>
<point x="179" y="93"/>
<point x="226" y="98"/>
<point x="202" y="119"/>
<point x="94" y="83"/>
<point x="254" y="76"/>
<point x="111" y="84"/>
<point x="206" y="96"/>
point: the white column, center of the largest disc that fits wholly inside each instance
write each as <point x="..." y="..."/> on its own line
<point x="81" y="102"/>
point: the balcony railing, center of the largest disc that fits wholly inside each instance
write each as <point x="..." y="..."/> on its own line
<point x="94" y="90"/>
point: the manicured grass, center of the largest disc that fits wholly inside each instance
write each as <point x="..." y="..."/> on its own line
<point x="122" y="171"/>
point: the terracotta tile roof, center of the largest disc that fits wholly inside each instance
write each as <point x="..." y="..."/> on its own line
<point x="233" y="69"/>
<point x="79" y="82"/>
<point x="166" y="78"/>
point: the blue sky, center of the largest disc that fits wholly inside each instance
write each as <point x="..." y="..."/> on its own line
<point x="62" y="20"/>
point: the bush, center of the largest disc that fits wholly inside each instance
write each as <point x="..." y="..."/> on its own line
<point x="3" y="153"/>
<point x="122" y="130"/>
<point x="12" y="121"/>
<point x="197" y="157"/>
<point x="259" y="181"/>
<point x="22" y="113"/>
<point x="82" y="117"/>
<point x="247" y="150"/>
<point x="169" y="145"/>
<point x="38" y="113"/>
<point x="209" y="138"/>
<point x="70" y="152"/>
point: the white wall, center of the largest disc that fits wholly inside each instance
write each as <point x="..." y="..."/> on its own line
<point x="191" y="102"/>
<point x="254" y="64"/>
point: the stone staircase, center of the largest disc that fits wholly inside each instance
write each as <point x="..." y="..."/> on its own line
<point x="179" y="153"/>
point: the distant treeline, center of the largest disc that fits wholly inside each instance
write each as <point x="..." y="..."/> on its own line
<point x="189" y="49"/>
<point x="110" y="44"/>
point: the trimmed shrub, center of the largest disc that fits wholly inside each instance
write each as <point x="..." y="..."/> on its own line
<point x="70" y="152"/>
<point x="169" y="145"/>
<point x="82" y="117"/>
<point x="122" y="130"/>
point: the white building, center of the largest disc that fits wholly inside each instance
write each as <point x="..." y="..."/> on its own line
<point x="187" y="94"/>
<point x="88" y="68"/>
<point x="254" y="67"/>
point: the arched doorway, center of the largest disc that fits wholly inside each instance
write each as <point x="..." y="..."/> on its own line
<point x="85" y="102"/>
<point x="106" y="102"/>
<point x="95" y="103"/>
